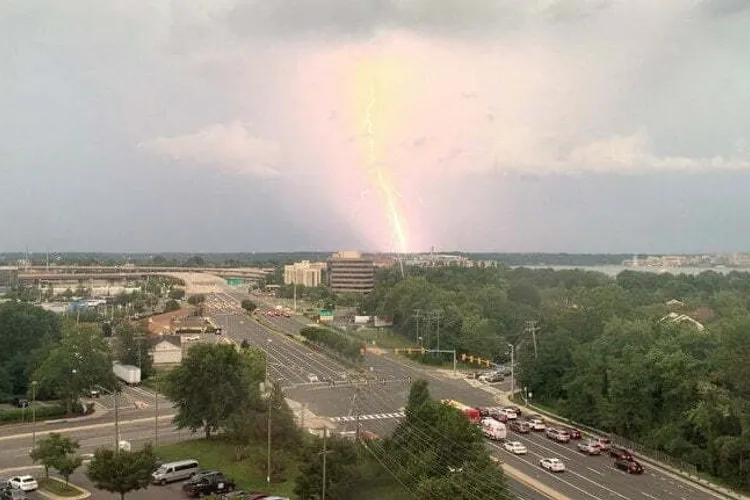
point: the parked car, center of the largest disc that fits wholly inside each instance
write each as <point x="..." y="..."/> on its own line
<point x="208" y="483"/>
<point x="552" y="464"/>
<point x="574" y="433"/>
<point x="519" y="426"/>
<point x="12" y="494"/>
<point x="25" y="483"/>
<point x="620" y="453"/>
<point x="536" y="423"/>
<point x="629" y="466"/>
<point x="559" y="435"/>
<point x="175" y="471"/>
<point x="515" y="447"/>
<point x="589" y="448"/>
<point x="20" y="402"/>
<point x="312" y="378"/>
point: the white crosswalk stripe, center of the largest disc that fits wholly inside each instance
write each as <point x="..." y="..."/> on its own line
<point x="376" y="416"/>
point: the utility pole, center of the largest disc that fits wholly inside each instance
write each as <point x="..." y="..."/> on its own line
<point x="325" y="442"/>
<point x="417" y="313"/>
<point x="270" y="407"/>
<point x="437" y="318"/>
<point x="533" y="329"/>
<point x="33" y="414"/>
<point x="117" y="423"/>
<point x="156" y="417"/>
<point x="295" y="295"/>
<point x="512" y="371"/>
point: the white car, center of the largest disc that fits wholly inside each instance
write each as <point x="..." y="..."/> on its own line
<point x="24" y="483"/>
<point x="312" y="378"/>
<point x="509" y="413"/>
<point x="515" y="447"/>
<point x="552" y="464"/>
<point x="537" y="424"/>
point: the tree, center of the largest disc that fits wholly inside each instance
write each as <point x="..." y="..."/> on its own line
<point x="244" y="344"/>
<point x="50" y="450"/>
<point x="284" y="431"/>
<point x="24" y="331"/>
<point x="171" y="305"/>
<point x="524" y="292"/>
<point x="342" y="472"/>
<point x="248" y="305"/>
<point x="419" y="394"/>
<point x="131" y="347"/>
<point x="194" y="300"/>
<point x="66" y="465"/>
<point x="213" y="382"/>
<point x="79" y="362"/>
<point x="122" y="471"/>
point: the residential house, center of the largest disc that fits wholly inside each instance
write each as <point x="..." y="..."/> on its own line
<point x="673" y="317"/>
<point x="166" y="350"/>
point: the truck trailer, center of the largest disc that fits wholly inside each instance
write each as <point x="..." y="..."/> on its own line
<point x="129" y="374"/>
<point x="471" y="413"/>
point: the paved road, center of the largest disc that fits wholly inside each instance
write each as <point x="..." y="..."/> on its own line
<point x="585" y="478"/>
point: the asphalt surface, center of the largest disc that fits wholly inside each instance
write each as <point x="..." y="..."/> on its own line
<point x="377" y="391"/>
<point x="381" y="399"/>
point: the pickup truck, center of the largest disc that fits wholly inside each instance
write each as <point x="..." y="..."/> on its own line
<point x="208" y="483"/>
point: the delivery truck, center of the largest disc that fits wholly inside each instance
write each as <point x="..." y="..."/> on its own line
<point x="493" y="429"/>
<point x="129" y="374"/>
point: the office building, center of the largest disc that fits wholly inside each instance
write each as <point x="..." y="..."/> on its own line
<point x="350" y="272"/>
<point x="304" y="273"/>
<point x="8" y="277"/>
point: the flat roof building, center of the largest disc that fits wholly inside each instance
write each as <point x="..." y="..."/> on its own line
<point x="304" y="273"/>
<point x="350" y="272"/>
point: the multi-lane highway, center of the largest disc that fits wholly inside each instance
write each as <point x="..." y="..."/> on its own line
<point x="379" y="400"/>
<point x="377" y="392"/>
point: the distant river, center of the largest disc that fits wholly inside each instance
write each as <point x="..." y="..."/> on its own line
<point x="615" y="270"/>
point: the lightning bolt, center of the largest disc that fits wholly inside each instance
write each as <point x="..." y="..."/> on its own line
<point x="378" y="175"/>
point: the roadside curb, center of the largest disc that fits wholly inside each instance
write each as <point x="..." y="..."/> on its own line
<point x="531" y="482"/>
<point x="52" y="496"/>
<point x="671" y="471"/>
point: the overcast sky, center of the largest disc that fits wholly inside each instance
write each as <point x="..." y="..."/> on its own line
<point x="390" y="125"/>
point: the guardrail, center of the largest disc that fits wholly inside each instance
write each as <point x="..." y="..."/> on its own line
<point x="647" y="454"/>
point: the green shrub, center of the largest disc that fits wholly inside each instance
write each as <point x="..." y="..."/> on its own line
<point x="42" y="413"/>
<point x="348" y="347"/>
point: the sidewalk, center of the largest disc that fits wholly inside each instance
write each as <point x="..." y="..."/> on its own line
<point x="14" y="429"/>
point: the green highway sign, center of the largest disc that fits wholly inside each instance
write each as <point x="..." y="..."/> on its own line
<point x="235" y="281"/>
<point x="326" y="312"/>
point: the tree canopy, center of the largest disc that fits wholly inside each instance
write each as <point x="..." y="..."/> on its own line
<point x="122" y="471"/>
<point x="213" y="382"/>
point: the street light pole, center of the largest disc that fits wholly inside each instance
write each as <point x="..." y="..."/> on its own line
<point x="156" y="417"/>
<point x="270" y="407"/>
<point x="512" y="372"/>
<point x="33" y="414"/>
<point x="117" y="423"/>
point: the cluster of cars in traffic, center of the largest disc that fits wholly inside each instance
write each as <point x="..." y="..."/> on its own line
<point x="511" y="417"/>
<point x="16" y="487"/>
<point x="201" y="483"/>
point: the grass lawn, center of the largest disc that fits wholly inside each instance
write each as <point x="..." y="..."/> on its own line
<point x="58" y="487"/>
<point x="216" y="454"/>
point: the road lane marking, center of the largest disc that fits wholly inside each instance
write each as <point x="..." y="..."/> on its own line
<point x="594" y="471"/>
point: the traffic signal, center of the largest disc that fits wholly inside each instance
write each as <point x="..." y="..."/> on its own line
<point x="471" y="359"/>
<point x="463" y="357"/>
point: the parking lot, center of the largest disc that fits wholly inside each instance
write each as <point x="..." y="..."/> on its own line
<point x="154" y="492"/>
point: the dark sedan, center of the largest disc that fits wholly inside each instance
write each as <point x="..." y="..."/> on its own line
<point x="629" y="466"/>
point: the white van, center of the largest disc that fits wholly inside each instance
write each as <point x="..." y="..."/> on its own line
<point x="175" y="471"/>
<point x="493" y="429"/>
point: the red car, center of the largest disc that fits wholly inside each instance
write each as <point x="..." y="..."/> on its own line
<point x="574" y="433"/>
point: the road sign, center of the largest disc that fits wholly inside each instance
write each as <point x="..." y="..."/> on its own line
<point x="235" y="281"/>
<point x="326" y="312"/>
